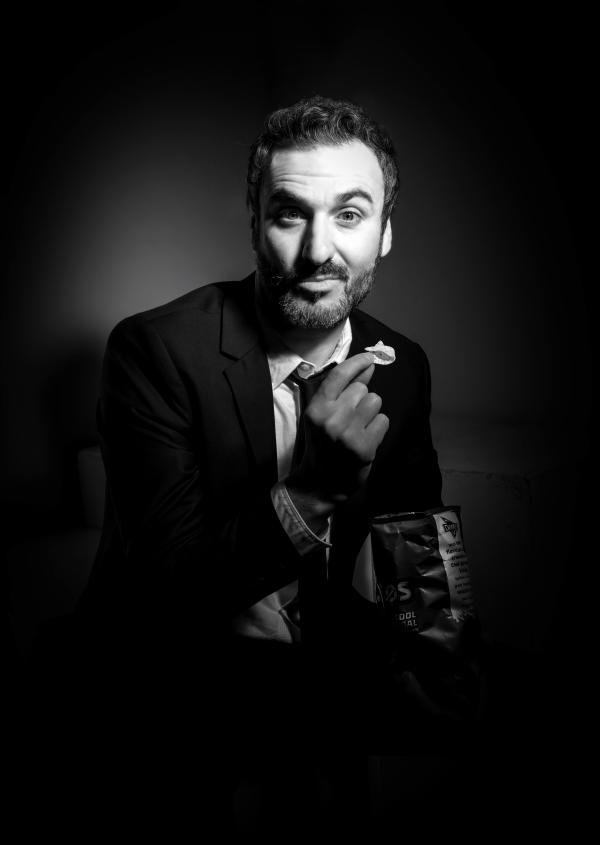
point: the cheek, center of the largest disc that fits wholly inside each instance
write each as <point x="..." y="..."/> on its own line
<point x="280" y="247"/>
<point x="360" y="253"/>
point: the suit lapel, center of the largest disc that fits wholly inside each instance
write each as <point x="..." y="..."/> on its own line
<point x="249" y="378"/>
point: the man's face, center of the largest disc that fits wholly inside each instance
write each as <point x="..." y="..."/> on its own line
<point x="319" y="236"/>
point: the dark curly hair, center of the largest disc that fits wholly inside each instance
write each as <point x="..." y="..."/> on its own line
<point x="320" y="120"/>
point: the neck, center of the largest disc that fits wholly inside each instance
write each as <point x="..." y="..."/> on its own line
<point x="314" y="345"/>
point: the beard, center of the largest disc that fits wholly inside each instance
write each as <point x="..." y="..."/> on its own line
<point x="288" y="307"/>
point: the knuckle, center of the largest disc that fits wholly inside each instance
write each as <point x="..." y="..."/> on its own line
<point x="353" y="394"/>
<point x="384" y="422"/>
<point x="346" y="439"/>
<point x="358" y="443"/>
<point x="332" y="429"/>
<point x="314" y="412"/>
<point x="370" y="404"/>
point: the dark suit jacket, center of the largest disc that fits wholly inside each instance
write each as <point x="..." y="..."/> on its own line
<point x="190" y="534"/>
<point x="188" y="440"/>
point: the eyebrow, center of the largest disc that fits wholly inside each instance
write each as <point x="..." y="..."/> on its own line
<point x="283" y="195"/>
<point x="355" y="193"/>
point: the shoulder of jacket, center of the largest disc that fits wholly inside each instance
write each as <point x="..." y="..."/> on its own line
<point x="206" y="300"/>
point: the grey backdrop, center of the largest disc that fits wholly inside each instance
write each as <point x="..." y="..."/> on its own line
<point x="127" y="145"/>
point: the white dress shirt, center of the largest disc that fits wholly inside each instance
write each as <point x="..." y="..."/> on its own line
<point x="276" y="617"/>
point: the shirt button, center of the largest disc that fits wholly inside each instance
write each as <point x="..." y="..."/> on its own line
<point x="303" y="367"/>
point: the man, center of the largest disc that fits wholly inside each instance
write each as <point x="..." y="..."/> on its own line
<point x="223" y="528"/>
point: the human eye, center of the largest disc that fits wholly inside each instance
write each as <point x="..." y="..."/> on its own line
<point x="289" y="216"/>
<point x="349" y="217"/>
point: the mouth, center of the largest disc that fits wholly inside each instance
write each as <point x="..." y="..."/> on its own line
<point x="319" y="283"/>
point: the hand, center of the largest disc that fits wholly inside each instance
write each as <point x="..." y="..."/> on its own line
<point x="344" y="428"/>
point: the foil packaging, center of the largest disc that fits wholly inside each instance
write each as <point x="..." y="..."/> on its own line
<point x="425" y="594"/>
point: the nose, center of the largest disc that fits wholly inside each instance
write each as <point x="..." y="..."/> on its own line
<point x="317" y="247"/>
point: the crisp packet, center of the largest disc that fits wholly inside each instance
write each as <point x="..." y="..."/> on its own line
<point x="424" y="590"/>
<point x="422" y="572"/>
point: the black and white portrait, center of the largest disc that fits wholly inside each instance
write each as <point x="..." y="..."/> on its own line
<point x="296" y="414"/>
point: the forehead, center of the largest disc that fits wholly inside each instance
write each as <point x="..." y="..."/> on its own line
<point x="321" y="168"/>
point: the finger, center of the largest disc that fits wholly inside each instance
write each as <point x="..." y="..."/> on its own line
<point x="367" y="409"/>
<point x="364" y="442"/>
<point x="353" y="395"/>
<point x="365" y="376"/>
<point x="377" y="428"/>
<point x="348" y="421"/>
<point x="340" y="377"/>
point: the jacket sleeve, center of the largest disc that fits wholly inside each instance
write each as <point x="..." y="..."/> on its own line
<point x="174" y="538"/>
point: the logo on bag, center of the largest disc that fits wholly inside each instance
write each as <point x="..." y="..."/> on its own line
<point x="398" y="592"/>
<point x="449" y="527"/>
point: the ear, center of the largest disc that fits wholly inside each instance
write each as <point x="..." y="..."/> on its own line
<point x="386" y="241"/>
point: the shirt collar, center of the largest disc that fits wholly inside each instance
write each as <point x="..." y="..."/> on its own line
<point x="283" y="361"/>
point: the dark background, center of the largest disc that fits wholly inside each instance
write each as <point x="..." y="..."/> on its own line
<point x="125" y="141"/>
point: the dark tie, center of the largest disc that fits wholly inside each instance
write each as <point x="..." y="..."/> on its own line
<point x="312" y="581"/>
<point x="307" y="389"/>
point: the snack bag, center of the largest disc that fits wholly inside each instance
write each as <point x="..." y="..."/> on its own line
<point x="424" y="591"/>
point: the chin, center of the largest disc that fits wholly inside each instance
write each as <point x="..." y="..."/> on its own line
<point x="288" y="308"/>
<point x="297" y="312"/>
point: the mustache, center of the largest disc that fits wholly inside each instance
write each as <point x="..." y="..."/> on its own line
<point x="329" y="270"/>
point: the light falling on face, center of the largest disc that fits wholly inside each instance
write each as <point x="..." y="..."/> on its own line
<point x="319" y="237"/>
